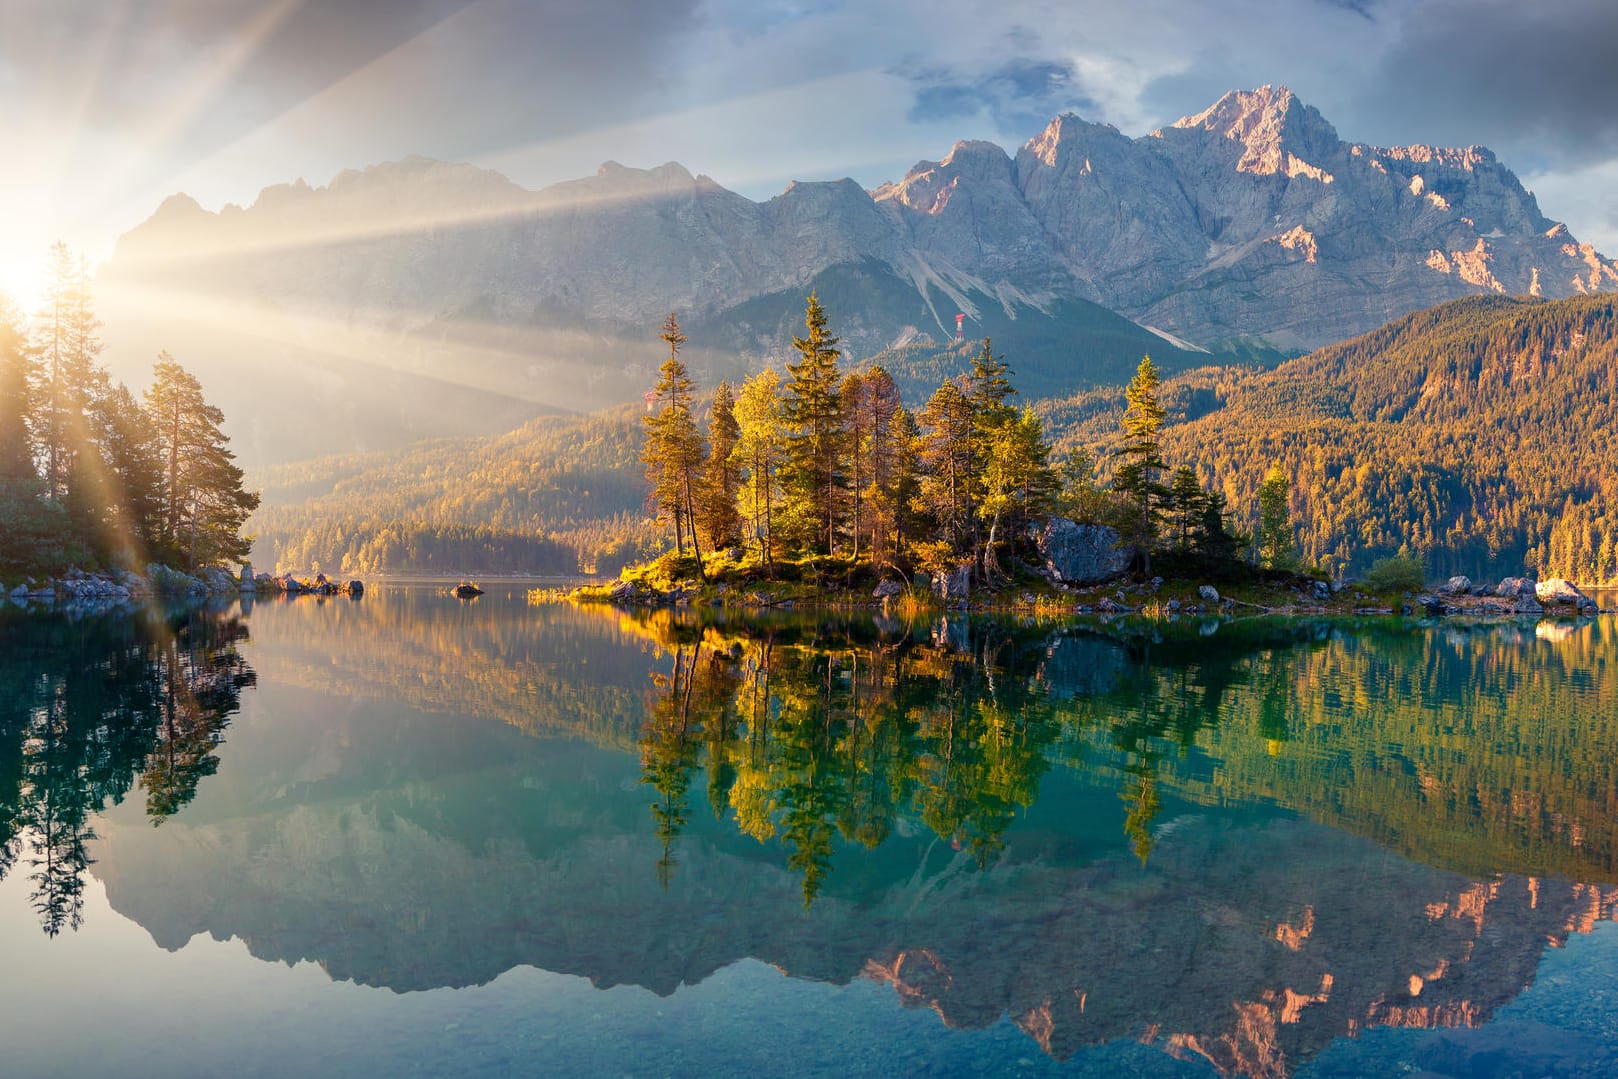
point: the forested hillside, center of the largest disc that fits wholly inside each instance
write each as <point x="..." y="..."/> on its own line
<point x="1479" y="434"/>
<point x="555" y="495"/>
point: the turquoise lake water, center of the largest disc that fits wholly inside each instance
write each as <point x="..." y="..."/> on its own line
<point x="408" y="835"/>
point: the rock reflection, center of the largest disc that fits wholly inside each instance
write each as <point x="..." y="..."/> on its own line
<point x="89" y="708"/>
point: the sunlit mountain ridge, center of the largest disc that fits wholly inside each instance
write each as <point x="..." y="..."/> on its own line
<point x="420" y="298"/>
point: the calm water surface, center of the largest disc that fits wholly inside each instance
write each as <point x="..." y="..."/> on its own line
<point x="408" y="835"/>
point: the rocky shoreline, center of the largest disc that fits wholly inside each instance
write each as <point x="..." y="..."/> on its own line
<point x="124" y="585"/>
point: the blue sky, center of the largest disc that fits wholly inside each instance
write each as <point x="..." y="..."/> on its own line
<point x="121" y="102"/>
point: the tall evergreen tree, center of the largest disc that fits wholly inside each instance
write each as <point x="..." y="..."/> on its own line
<point x="202" y="504"/>
<point x="1275" y="541"/>
<point x="17" y="378"/>
<point x="876" y="425"/>
<point x="32" y="529"/>
<point x="133" y="517"/>
<point x="812" y="414"/>
<point x="717" y="511"/>
<point x="1018" y="482"/>
<point x="673" y="453"/>
<point x="67" y="343"/>
<point x="1136" y="476"/>
<point x="947" y="458"/>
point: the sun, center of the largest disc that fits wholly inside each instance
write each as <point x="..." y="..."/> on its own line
<point x="22" y="280"/>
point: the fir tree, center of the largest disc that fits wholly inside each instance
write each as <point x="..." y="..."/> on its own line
<point x="812" y="414"/>
<point x="673" y="452"/>
<point x="717" y="504"/>
<point x="202" y="504"/>
<point x="1275" y="542"/>
<point x="1136" y="476"/>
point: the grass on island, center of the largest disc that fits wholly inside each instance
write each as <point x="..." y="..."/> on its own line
<point x="731" y="578"/>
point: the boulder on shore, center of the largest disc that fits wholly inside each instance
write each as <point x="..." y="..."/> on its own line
<point x="1082" y="554"/>
<point x="466" y="590"/>
<point x="1456" y="586"/>
<point x="1557" y="590"/>
<point x="1515" y="588"/>
<point x="888" y="589"/>
<point x="954" y="584"/>
<point x="1208" y="593"/>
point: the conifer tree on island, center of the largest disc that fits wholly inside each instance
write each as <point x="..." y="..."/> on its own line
<point x="202" y="505"/>
<point x="674" y="453"/>
<point x="812" y="413"/>
<point x="1136" y="476"/>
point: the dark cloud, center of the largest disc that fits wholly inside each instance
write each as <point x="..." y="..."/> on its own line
<point x="1020" y="96"/>
<point x="1534" y="81"/>
<point x="470" y="75"/>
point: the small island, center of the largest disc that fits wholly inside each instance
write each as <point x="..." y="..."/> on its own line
<point x="826" y="492"/>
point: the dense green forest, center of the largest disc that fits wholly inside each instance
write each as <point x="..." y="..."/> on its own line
<point x="91" y="476"/>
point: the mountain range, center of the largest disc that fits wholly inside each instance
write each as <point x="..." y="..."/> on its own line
<point x="418" y="298"/>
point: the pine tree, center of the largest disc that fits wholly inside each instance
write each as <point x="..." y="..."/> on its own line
<point x="1136" y="477"/>
<point x="67" y="345"/>
<point x="202" y="505"/>
<point x="717" y="506"/>
<point x="132" y="462"/>
<point x="673" y="452"/>
<point x="884" y="454"/>
<point x="1186" y="503"/>
<point x="948" y="455"/>
<point x="812" y="414"/>
<point x="17" y="378"/>
<point x="32" y="530"/>
<point x="1275" y="542"/>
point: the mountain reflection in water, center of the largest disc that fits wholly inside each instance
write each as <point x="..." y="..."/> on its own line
<point x="1237" y="845"/>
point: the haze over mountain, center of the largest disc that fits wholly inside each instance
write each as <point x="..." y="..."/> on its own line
<point x="1249" y="226"/>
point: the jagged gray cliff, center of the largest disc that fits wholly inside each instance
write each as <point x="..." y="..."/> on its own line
<point x="1250" y="225"/>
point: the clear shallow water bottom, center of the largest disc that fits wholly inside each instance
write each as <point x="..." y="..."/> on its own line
<point x="409" y="836"/>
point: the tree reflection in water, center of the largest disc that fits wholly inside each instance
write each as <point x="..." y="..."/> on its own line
<point x="89" y="708"/>
<point x="813" y="735"/>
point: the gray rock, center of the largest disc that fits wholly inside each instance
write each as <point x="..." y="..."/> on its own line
<point x="1456" y="586"/>
<point x="1515" y="587"/>
<point x="887" y="589"/>
<point x="1209" y="593"/>
<point x="1527" y="605"/>
<point x="954" y="585"/>
<point x="1081" y="554"/>
<point x="355" y="588"/>
<point x="1322" y="590"/>
<point x="1557" y="590"/>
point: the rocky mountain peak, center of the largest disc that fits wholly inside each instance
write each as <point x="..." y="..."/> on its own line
<point x="1273" y="126"/>
<point x="1065" y="135"/>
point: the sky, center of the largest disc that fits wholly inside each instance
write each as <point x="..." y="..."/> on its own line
<point x="112" y="105"/>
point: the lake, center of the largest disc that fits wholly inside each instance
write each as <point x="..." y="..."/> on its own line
<point x="409" y="835"/>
